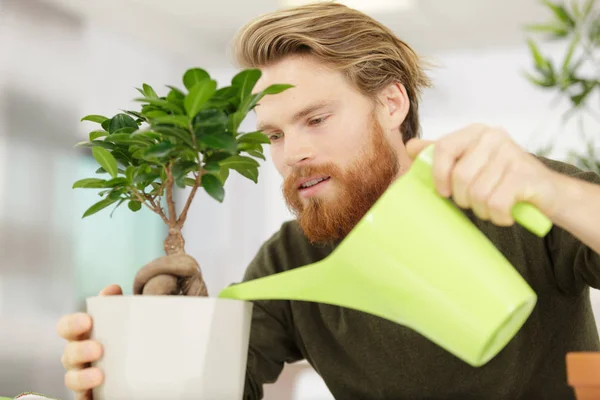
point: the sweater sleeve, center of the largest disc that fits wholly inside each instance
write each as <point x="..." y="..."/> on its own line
<point x="575" y="264"/>
<point x="272" y="340"/>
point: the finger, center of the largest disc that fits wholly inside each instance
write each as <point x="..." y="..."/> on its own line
<point x="74" y="326"/>
<point x="78" y="353"/>
<point x="503" y="199"/>
<point x="415" y="146"/>
<point x="486" y="183"/>
<point x="80" y="380"/>
<point x="475" y="159"/>
<point x="111" y="290"/>
<point x="448" y="151"/>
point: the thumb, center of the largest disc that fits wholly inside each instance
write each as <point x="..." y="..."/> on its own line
<point x="111" y="290"/>
<point x="415" y="146"/>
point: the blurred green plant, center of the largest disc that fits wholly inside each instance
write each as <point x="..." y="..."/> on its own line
<point x="577" y="75"/>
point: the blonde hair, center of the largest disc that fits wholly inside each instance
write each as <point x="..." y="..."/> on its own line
<point x="368" y="53"/>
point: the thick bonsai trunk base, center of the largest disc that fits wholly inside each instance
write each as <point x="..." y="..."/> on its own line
<point x="174" y="274"/>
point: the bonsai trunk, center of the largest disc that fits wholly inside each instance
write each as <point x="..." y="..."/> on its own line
<point x="177" y="273"/>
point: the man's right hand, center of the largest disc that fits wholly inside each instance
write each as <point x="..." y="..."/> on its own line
<point x="80" y="351"/>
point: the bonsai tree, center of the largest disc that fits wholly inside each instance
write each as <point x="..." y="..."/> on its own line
<point x="184" y="139"/>
<point x="577" y="76"/>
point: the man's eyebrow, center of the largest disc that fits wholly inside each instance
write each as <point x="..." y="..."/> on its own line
<point x="300" y="114"/>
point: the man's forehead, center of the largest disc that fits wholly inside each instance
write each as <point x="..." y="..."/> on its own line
<point x="301" y="71"/>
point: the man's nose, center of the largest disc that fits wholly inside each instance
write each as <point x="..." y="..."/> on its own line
<point x="297" y="149"/>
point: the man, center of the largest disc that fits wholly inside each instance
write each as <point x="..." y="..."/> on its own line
<point x="347" y="129"/>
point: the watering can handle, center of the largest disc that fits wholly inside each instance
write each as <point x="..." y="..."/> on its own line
<point x="525" y="214"/>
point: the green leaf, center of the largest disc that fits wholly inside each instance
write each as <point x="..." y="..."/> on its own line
<point x="239" y="162"/>
<point x="94" y="118"/>
<point x="156" y="114"/>
<point x="117" y="206"/>
<point x="90" y="183"/>
<point x="257" y="154"/>
<point x="178" y="133"/>
<point x="179" y="120"/>
<point x="561" y="13"/>
<point x="216" y="156"/>
<point x="235" y="121"/>
<point x="222" y="141"/>
<point x="127" y="139"/>
<point x="212" y="166"/>
<point x="134" y="114"/>
<point x="176" y="97"/>
<point x="182" y="168"/>
<point x="578" y="99"/>
<point x="194" y="76"/>
<point x="97" y="134"/>
<point x="198" y="96"/>
<point x="254" y="137"/>
<point x="134" y="205"/>
<point x="121" y="121"/>
<point x="555" y="30"/>
<point x="123" y="156"/>
<point x="250" y="173"/>
<point x="254" y="101"/>
<point x="249" y="146"/>
<point x="130" y="173"/>
<point x="102" y="204"/>
<point x="540" y="62"/>
<point x="116" y="195"/>
<point x="189" y="182"/>
<point x="176" y="90"/>
<point x="146" y="178"/>
<point x="116" y="182"/>
<point x="210" y="121"/>
<point x="149" y="92"/>
<point x="223" y="175"/>
<point x="213" y="186"/>
<point x="538" y="82"/>
<point x="180" y="182"/>
<point x="96" y="143"/>
<point x="159" y="150"/>
<point x="245" y="82"/>
<point x="106" y="160"/>
<point x="160" y="103"/>
<point x="128" y="130"/>
<point x="277" y="88"/>
<point x="569" y="55"/>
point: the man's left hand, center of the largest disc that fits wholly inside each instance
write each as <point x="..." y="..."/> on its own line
<point x="483" y="169"/>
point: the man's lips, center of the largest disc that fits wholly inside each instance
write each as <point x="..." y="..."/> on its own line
<point x="306" y="183"/>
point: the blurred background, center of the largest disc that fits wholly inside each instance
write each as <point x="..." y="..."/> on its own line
<point x="63" y="59"/>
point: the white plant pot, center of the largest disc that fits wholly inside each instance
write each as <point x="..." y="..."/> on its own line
<point x="171" y="347"/>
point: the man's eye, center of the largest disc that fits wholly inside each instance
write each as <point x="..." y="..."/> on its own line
<point x="317" y="121"/>
<point x="275" y="137"/>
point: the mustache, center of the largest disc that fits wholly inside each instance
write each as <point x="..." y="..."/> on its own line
<point x="307" y="171"/>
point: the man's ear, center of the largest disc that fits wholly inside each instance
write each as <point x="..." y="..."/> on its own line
<point x="396" y="104"/>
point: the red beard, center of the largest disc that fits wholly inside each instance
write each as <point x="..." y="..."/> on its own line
<point x="357" y="189"/>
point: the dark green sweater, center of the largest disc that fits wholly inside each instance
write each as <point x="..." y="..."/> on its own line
<point x="360" y="356"/>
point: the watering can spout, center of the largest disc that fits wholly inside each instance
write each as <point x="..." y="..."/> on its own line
<point x="417" y="260"/>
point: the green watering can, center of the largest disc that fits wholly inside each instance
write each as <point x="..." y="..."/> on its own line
<point x="417" y="260"/>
